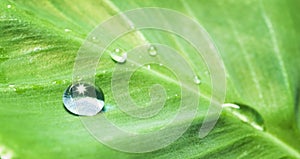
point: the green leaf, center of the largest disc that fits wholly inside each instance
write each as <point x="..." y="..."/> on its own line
<point x="257" y="40"/>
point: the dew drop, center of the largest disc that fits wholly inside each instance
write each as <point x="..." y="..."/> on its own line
<point x="197" y="80"/>
<point x="118" y="56"/>
<point x="152" y="51"/>
<point x="246" y="114"/>
<point x="36" y="49"/>
<point x="11" y="86"/>
<point x="8" y="6"/>
<point x="83" y="99"/>
<point x="148" y="67"/>
<point x="132" y="26"/>
<point x="67" y="30"/>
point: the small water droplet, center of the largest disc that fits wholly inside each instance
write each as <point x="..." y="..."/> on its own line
<point x="152" y="51"/>
<point x="148" y="67"/>
<point x="160" y="64"/>
<point x="9" y="6"/>
<point x="83" y="99"/>
<point x="94" y="38"/>
<point x="119" y="55"/>
<point x="246" y="114"/>
<point x="132" y="26"/>
<point x="197" y="80"/>
<point x="37" y="49"/>
<point x="11" y="86"/>
<point x="58" y="82"/>
<point x="67" y="30"/>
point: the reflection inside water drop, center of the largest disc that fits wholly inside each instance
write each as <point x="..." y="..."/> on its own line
<point x="83" y="99"/>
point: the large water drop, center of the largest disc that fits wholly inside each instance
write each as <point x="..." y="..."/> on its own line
<point x="246" y="114"/>
<point x="83" y="99"/>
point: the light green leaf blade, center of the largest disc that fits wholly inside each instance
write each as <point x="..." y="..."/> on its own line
<point x="258" y="41"/>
